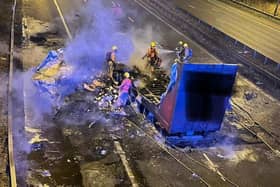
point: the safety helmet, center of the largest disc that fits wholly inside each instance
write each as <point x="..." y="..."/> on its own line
<point x="153" y="44"/>
<point x="180" y="43"/>
<point x="186" y="45"/>
<point x="126" y="75"/>
<point x="114" y="48"/>
<point x="176" y="60"/>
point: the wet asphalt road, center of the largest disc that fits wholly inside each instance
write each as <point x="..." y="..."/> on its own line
<point x="254" y="31"/>
<point x="72" y="153"/>
<point x="46" y="12"/>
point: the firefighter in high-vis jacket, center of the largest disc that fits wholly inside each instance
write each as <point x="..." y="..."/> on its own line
<point x="111" y="61"/>
<point x="152" y="56"/>
<point x="184" y="53"/>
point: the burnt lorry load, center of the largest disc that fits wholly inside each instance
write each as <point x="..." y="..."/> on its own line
<point x="196" y="104"/>
<point x="190" y="109"/>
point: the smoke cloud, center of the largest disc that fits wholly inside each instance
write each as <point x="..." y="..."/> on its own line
<point x="100" y="30"/>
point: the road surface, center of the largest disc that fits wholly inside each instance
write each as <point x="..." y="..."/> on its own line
<point x="73" y="153"/>
<point x="260" y="34"/>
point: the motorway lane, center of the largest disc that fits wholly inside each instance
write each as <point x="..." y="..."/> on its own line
<point x="258" y="33"/>
<point x="65" y="145"/>
<point x="50" y="23"/>
<point x="146" y="28"/>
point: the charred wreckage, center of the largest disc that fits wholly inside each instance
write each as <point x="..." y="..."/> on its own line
<point x="186" y="105"/>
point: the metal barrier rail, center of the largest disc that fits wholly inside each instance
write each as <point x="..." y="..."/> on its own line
<point x="13" y="179"/>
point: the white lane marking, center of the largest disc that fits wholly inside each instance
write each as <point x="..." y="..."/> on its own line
<point x="214" y="167"/>
<point x="63" y="20"/>
<point x="121" y="153"/>
<point x="13" y="179"/>
<point x="177" y="31"/>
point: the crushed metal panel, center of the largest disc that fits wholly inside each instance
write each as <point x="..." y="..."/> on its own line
<point x="197" y="103"/>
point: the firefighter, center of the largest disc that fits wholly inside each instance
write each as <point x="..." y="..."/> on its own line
<point x="111" y="61"/>
<point x="179" y="47"/>
<point x="152" y="57"/>
<point x="124" y="90"/>
<point x="185" y="53"/>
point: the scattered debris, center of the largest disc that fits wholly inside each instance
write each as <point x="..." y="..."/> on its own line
<point x="249" y="95"/>
<point x="3" y="58"/>
<point x="91" y="124"/>
<point x="220" y="156"/>
<point x="127" y="125"/>
<point x="119" y="112"/>
<point x="232" y="117"/>
<point x="71" y="132"/>
<point x="92" y="86"/>
<point x="103" y="152"/>
<point x="46" y="173"/>
<point x="32" y="130"/>
<point x="37" y="138"/>
<point x="78" y="158"/>
<point x="115" y="137"/>
<point x="141" y="134"/>
<point x="114" y="128"/>
<point x="194" y="175"/>
<point x="277" y="152"/>
<point x="68" y="160"/>
<point x="259" y="83"/>
<point x="36" y="146"/>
